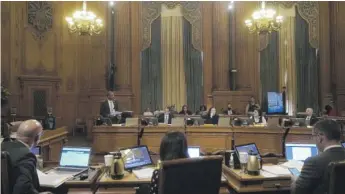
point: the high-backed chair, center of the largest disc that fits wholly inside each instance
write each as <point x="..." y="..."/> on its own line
<point x="336" y="180"/>
<point x="191" y="176"/>
<point x="5" y="173"/>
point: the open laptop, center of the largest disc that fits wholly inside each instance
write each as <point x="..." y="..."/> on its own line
<point x="73" y="161"/>
<point x="246" y="148"/>
<point x="132" y="122"/>
<point x="136" y="157"/>
<point x="194" y="151"/>
<point x="343" y="144"/>
<point x="300" y="152"/>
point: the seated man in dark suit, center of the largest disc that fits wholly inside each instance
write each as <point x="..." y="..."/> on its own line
<point x="23" y="177"/>
<point x="109" y="107"/>
<point x="310" y="119"/>
<point x="314" y="175"/>
<point x="165" y="117"/>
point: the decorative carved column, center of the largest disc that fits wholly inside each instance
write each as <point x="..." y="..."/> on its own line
<point x="324" y="52"/>
<point x="221" y="45"/>
<point x="123" y="46"/>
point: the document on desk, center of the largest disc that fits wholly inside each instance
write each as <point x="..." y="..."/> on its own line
<point x="293" y="164"/>
<point x="276" y="169"/>
<point x="52" y="180"/>
<point x="144" y="173"/>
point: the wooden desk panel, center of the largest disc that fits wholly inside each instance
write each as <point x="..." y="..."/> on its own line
<point x="209" y="138"/>
<point x="51" y="143"/>
<point x="244" y="183"/>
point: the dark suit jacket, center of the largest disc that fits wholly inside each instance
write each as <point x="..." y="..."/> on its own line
<point x="161" y="118"/>
<point x="313" y="120"/>
<point x="105" y="110"/>
<point x="213" y="120"/>
<point x="314" y="177"/>
<point x="226" y="111"/>
<point x="188" y="112"/>
<point x="23" y="178"/>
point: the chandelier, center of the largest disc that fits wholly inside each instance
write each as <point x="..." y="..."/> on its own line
<point x="264" y="21"/>
<point x="84" y="22"/>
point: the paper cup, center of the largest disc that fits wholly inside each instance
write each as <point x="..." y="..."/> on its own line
<point x="108" y="160"/>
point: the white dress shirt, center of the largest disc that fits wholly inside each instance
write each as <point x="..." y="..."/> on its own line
<point x="111" y="107"/>
<point x="166" y="118"/>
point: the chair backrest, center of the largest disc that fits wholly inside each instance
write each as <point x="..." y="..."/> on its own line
<point x="191" y="176"/>
<point x="5" y="172"/>
<point x="336" y="179"/>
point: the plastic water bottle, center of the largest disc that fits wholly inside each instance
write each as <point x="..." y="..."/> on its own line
<point x="232" y="160"/>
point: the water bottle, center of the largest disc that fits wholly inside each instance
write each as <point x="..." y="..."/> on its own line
<point x="232" y="160"/>
<point x="39" y="162"/>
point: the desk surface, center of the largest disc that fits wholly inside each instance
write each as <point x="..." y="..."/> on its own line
<point x="244" y="183"/>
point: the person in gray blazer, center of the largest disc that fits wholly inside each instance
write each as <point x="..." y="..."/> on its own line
<point x="314" y="177"/>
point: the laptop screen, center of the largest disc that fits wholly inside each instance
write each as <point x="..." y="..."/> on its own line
<point x="300" y="152"/>
<point x="75" y="157"/>
<point x="248" y="147"/>
<point x="136" y="157"/>
<point x="193" y="152"/>
<point x="343" y="144"/>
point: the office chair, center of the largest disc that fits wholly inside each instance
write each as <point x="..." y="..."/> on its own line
<point x="336" y="180"/>
<point x="191" y="176"/>
<point x="5" y="173"/>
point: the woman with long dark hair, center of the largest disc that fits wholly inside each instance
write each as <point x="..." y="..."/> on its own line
<point x="173" y="146"/>
<point x="185" y="111"/>
<point x="212" y="116"/>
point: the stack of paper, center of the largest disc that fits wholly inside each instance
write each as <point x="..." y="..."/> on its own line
<point x="293" y="164"/>
<point x="52" y="180"/>
<point x="144" y="173"/>
<point x="276" y="169"/>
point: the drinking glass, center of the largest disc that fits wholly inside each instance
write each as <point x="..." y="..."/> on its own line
<point x="108" y="160"/>
<point x="243" y="160"/>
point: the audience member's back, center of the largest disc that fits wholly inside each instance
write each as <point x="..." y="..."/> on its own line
<point x="314" y="177"/>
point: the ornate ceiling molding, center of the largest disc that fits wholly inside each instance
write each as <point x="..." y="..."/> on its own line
<point x="309" y="11"/>
<point x="191" y="10"/>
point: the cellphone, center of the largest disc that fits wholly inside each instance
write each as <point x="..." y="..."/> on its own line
<point x="294" y="171"/>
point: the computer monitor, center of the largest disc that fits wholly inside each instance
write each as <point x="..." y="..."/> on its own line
<point x="275" y="103"/>
<point x="135" y="157"/>
<point x="300" y="152"/>
<point x="75" y="157"/>
<point x="247" y="148"/>
<point x="343" y="144"/>
<point x="193" y="151"/>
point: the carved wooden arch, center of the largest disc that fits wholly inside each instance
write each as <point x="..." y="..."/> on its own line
<point x="309" y="11"/>
<point x="191" y="10"/>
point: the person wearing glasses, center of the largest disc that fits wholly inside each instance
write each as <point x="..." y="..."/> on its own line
<point x="314" y="177"/>
<point x="23" y="177"/>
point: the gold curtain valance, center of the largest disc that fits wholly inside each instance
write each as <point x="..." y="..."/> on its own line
<point x="309" y="11"/>
<point x="191" y="10"/>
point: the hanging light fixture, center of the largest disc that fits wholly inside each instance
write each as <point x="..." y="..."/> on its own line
<point x="84" y="22"/>
<point x="264" y="21"/>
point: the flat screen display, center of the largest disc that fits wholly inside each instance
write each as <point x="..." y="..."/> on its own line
<point x="275" y="103"/>
<point x="300" y="152"/>
<point x="136" y="157"/>
<point x="193" y="152"/>
<point x="75" y="157"/>
<point x="36" y="150"/>
<point x="343" y="144"/>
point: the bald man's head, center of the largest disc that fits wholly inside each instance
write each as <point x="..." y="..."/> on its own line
<point x="29" y="132"/>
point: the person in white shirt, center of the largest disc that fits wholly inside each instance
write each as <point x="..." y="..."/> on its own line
<point x="109" y="107"/>
<point x="148" y="112"/>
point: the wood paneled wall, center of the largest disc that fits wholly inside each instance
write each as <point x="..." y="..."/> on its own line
<point x="73" y="68"/>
